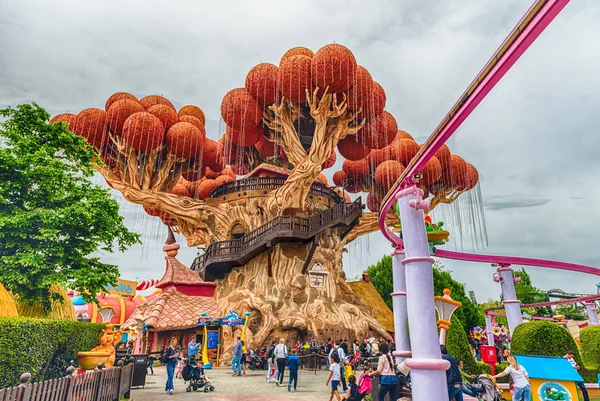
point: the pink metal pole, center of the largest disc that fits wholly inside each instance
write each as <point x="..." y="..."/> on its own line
<point x="512" y="306"/>
<point x="399" y="305"/>
<point x="592" y="313"/>
<point x="428" y="368"/>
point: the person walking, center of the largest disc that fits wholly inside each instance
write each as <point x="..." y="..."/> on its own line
<point x="270" y="361"/>
<point x="570" y="356"/>
<point x="341" y="359"/>
<point x="237" y="358"/>
<point x="193" y="348"/>
<point x="243" y="359"/>
<point x="293" y="363"/>
<point x="520" y="378"/>
<point x="281" y="353"/>
<point x="453" y="377"/>
<point x="388" y="381"/>
<point x="334" y="377"/>
<point x="170" y="359"/>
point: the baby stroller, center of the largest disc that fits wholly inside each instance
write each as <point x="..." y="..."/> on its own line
<point x="194" y="375"/>
<point x="355" y="361"/>
<point x="487" y="390"/>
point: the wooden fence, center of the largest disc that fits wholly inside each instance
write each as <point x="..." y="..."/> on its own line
<point x="98" y="385"/>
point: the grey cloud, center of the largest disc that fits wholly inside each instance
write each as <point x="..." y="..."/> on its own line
<point x="502" y="203"/>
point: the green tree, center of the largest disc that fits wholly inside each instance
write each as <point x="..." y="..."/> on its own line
<point x="468" y="314"/>
<point x="528" y="294"/>
<point x="53" y="219"/>
<point x="571" y="312"/>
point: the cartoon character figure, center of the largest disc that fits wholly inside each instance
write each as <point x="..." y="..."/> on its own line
<point x="108" y="338"/>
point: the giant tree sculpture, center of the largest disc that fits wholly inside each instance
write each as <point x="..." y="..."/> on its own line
<point x="263" y="231"/>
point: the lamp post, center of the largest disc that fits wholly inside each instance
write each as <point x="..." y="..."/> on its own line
<point x="445" y="307"/>
<point x="107" y="312"/>
<point x="247" y="314"/>
<point x="205" y="362"/>
<point x="139" y="320"/>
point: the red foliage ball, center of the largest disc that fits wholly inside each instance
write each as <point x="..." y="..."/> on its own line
<point x="152" y="211"/>
<point x="351" y="149"/>
<point x="321" y="178"/>
<point x="119" y="112"/>
<point x="261" y="83"/>
<point x="228" y="171"/>
<point x="372" y="203"/>
<point x="329" y="162"/>
<point x="143" y="131"/>
<point x="211" y="156"/>
<point x="193" y="120"/>
<point x="247" y="137"/>
<point x="297" y="51"/>
<point x="115" y="97"/>
<point x="185" y="140"/>
<point x="193" y="111"/>
<point x="239" y="110"/>
<point x="180" y="190"/>
<point x="205" y="188"/>
<point x="387" y="173"/>
<point x="445" y="157"/>
<point x="457" y="176"/>
<point x="352" y="186"/>
<point x="152" y="100"/>
<point x="194" y="174"/>
<point x="373" y="105"/>
<point x="91" y="124"/>
<point x="403" y="150"/>
<point x="223" y="179"/>
<point x="339" y="178"/>
<point x="165" y="114"/>
<point x="432" y="171"/>
<point x="211" y="175"/>
<point x="265" y="147"/>
<point x="69" y="118"/>
<point x="356" y="170"/>
<point x="241" y="168"/>
<point x="293" y="78"/>
<point x="333" y="66"/>
<point x="403" y="135"/>
<point x="380" y="132"/>
<point x="228" y="151"/>
<point x="360" y="91"/>
<point x="472" y="177"/>
<point x="378" y="156"/>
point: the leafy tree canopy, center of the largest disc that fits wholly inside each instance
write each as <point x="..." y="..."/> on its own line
<point x="53" y="219"/>
<point x="468" y="314"/>
<point x="528" y="294"/>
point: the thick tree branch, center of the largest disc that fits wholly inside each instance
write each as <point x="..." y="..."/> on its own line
<point x="280" y="121"/>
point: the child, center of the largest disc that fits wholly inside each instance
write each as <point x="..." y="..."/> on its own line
<point x="179" y="366"/>
<point x="293" y="363"/>
<point x="364" y="383"/>
<point x="334" y="376"/>
<point x="352" y="389"/>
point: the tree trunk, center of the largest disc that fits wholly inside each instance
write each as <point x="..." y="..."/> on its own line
<point x="284" y="305"/>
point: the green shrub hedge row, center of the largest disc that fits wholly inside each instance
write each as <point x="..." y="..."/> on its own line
<point x="589" y="338"/>
<point x="549" y="339"/>
<point x="42" y="347"/>
<point x="458" y="346"/>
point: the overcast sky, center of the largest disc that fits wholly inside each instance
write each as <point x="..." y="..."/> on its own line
<point x="534" y="139"/>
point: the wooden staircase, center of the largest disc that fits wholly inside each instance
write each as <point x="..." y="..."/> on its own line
<point x="222" y="256"/>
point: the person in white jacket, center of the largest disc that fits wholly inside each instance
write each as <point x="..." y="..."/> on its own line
<point x="281" y="353"/>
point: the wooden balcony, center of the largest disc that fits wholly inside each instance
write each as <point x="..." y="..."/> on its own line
<point x="222" y="256"/>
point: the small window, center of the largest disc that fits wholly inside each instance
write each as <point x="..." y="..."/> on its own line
<point x="237" y="231"/>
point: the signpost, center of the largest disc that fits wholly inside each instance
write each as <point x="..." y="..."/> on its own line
<point x="123" y="287"/>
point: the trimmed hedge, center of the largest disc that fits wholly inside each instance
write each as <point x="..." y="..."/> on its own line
<point x="458" y="346"/>
<point x="589" y="338"/>
<point x="42" y="347"/>
<point x="548" y="339"/>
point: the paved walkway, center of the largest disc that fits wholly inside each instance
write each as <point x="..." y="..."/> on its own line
<point x="252" y="387"/>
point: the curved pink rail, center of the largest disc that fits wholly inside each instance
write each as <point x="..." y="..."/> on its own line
<point x="537" y="18"/>
<point x="511" y="260"/>
<point x="571" y="301"/>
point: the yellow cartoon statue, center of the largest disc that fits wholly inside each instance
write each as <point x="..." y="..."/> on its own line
<point x="104" y="353"/>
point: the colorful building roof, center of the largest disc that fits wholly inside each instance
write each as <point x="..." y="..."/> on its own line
<point x="366" y="291"/>
<point x="549" y="368"/>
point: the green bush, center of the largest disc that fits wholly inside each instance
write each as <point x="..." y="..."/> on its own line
<point x="589" y="338"/>
<point x="42" y="347"/>
<point x="483" y="369"/>
<point x="458" y="346"/>
<point x="500" y="368"/>
<point x="548" y="339"/>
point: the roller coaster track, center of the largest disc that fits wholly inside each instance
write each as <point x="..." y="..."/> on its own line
<point x="537" y="18"/>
